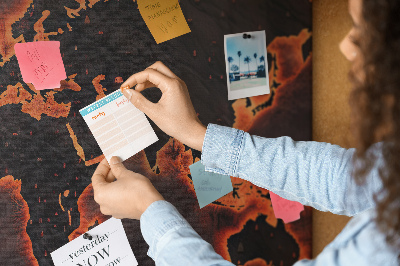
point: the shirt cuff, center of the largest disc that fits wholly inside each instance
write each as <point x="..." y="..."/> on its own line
<point x="158" y="219"/>
<point x="221" y="150"/>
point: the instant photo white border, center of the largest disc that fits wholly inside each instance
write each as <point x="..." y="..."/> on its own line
<point x="248" y="92"/>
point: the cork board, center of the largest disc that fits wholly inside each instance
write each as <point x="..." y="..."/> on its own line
<point x="50" y="154"/>
<point x="331" y="88"/>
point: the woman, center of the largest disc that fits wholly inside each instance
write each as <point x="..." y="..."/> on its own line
<point x="316" y="174"/>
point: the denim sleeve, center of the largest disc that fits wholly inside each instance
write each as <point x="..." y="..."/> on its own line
<point x="172" y="241"/>
<point x="312" y="173"/>
<point x="360" y="243"/>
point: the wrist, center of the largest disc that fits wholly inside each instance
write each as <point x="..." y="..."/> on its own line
<point x="196" y="136"/>
<point x="148" y="203"/>
<point x="201" y="136"/>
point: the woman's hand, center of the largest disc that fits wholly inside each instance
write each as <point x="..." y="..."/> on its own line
<point x="174" y="112"/>
<point x="126" y="197"/>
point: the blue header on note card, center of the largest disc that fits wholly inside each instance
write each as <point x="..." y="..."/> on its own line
<point x="96" y="105"/>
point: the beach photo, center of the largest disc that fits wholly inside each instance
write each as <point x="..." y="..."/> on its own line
<point x="246" y="64"/>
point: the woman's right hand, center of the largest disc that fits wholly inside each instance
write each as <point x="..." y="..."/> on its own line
<point x="173" y="113"/>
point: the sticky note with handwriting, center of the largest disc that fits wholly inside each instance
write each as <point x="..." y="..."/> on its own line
<point x="164" y="18"/>
<point x="118" y="126"/>
<point x="209" y="186"/>
<point x="284" y="209"/>
<point x="41" y="64"/>
<point x="108" y="246"/>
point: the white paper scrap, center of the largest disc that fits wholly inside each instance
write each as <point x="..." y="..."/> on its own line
<point x="109" y="246"/>
<point x="118" y="126"/>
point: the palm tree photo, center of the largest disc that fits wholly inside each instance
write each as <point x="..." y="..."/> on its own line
<point x="239" y="51"/>
<point x="255" y="60"/>
<point x="239" y="54"/>
<point x="230" y="60"/>
<point x="262" y="59"/>
<point x="247" y="60"/>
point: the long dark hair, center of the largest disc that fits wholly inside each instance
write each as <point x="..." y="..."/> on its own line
<point x="375" y="101"/>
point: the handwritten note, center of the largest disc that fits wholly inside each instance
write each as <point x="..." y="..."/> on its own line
<point x="209" y="186"/>
<point x="108" y="246"/>
<point x="118" y="126"/>
<point x="41" y="64"/>
<point x="164" y="18"/>
<point x="284" y="209"/>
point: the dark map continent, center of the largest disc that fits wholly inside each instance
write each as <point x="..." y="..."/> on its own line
<point x="103" y="42"/>
<point x="258" y="239"/>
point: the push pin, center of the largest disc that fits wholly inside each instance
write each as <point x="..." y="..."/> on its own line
<point x="87" y="236"/>
<point x="246" y="36"/>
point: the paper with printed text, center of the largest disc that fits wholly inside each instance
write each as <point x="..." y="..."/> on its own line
<point x="118" y="126"/>
<point x="109" y="246"/>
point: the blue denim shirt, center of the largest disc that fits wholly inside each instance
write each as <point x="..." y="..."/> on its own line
<point x="312" y="173"/>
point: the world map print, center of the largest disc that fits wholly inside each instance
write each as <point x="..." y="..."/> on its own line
<point x="48" y="153"/>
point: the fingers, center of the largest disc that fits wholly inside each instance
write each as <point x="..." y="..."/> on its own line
<point x="149" y="75"/>
<point x="117" y="167"/>
<point x="143" y="86"/>
<point x="160" y="67"/>
<point x="110" y="177"/>
<point x="100" y="175"/>
<point x="156" y="75"/>
<point x="140" y="102"/>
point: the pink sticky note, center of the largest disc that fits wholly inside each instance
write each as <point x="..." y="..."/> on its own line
<point x="284" y="209"/>
<point x="41" y="64"/>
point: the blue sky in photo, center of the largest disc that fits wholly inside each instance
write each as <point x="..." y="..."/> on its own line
<point x="248" y="47"/>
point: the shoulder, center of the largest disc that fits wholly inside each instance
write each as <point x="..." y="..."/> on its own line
<point x="362" y="242"/>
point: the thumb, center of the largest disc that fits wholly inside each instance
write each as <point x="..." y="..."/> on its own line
<point x="138" y="100"/>
<point x="117" y="168"/>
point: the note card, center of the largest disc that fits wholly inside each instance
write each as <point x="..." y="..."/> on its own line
<point x="209" y="186"/>
<point x="164" y="18"/>
<point x="41" y="64"/>
<point x="108" y="246"/>
<point x="118" y="126"/>
<point x="284" y="209"/>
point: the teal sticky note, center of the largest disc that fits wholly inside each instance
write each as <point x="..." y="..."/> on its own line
<point x="209" y="186"/>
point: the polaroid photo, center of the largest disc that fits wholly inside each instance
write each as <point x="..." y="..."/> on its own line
<point x="246" y="64"/>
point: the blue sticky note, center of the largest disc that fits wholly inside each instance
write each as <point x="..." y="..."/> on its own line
<point x="209" y="186"/>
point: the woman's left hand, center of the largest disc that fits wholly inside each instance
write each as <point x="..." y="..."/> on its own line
<point x="126" y="197"/>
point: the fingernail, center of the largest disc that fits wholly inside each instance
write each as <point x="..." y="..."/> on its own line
<point x="115" y="160"/>
<point x="125" y="88"/>
<point x="128" y="93"/>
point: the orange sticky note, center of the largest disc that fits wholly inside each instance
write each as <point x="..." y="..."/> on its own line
<point x="164" y="18"/>
<point x="41" y="64"/>
<point x="284" y="209"/>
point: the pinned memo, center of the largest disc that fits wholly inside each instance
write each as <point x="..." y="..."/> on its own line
<point x="107" y="245"/>
<point x="41" y="64"/>
<point x="209" y="186"/>
<point x="118" y="126"/>
<point x="284" y="209"/>
<point x="164" y="18"/>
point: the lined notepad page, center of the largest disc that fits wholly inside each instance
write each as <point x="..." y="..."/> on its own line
<point x="118" y="126"/>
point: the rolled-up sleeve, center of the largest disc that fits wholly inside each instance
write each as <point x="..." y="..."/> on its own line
<point x="312" y="173"/>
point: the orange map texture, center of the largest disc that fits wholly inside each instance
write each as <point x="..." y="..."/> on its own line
<point x="70" y="209"/>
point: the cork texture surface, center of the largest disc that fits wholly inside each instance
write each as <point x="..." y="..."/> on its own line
<point x="331" y="89"/>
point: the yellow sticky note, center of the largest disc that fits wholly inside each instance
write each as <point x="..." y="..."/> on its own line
<point x="164" y="18"/>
